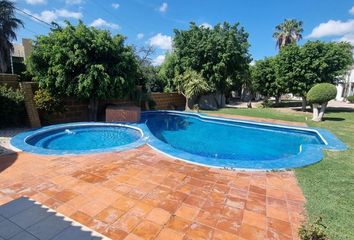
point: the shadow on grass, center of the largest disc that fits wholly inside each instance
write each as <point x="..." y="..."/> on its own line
<point x="333" y="119"/>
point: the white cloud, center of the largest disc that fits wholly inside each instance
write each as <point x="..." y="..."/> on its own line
<point x="100" y="23"/>
<point x="163" y="7"/>
<point x="53" y="15"/>
<point x="161" y="41"/>
<point x="351" y="11"/>
<point x="158" y="60"/>
<point x="140" y="36"/>
<point x="36" y="2"/>
<point x="73" y="2"/>
<point x="348" y="38"/>
<point x="333" y="28"/>
<point x="206" y="25"/>
<point x="115" y="5"/>
<point x="68" y="14"/>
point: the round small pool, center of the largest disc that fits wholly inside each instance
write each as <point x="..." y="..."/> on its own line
<point x="79" y="138"/>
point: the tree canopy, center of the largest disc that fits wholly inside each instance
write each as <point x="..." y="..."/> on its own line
<point x="220" y="54"/>
<point x="83" y="62"/>
<point x="264" y="78"/>
<point x="314" y="62"/>
<point x="295" y="69"/>
<point x="288" y="32"/>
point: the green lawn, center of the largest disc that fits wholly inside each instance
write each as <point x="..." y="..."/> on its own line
<point x="329" y="184"/>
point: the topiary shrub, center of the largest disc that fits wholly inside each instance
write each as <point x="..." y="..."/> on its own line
<point x="12" y="107"/>
<point x="319" y="95"/>
<point x="350" y="99"/>
<point x="322" y="93"/>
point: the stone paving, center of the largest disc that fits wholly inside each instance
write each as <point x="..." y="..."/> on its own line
<point x="142" y="194"/>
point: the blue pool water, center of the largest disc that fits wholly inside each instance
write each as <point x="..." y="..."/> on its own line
<point x="200" y="139"/>
<point x="84" y="138"/>
<point x="230" y="141"/>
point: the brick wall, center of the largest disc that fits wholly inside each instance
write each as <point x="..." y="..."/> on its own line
<point x="169" y="101"/>
<point x="76" y="111"/>
<point x="10" y="80"/>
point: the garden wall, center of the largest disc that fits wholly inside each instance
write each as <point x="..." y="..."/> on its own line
<point x="10" y="80"/>
<point x="169" y="101"/>
<point x="77" y="110"/>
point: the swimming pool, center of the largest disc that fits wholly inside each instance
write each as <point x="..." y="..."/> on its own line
<point x="77" y="138"/>
<point x="230" y="143"/>
<point x="195" y="138"/>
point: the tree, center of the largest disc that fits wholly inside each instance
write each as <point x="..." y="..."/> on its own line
<point x="147" y="75"/>
<point x="314" y="62"/>
<point x="289" y="31"/>
<point x="264" y="79"/>
<point x="8" y="25"/>
<point x="219" y="54"/>
<point x="168" y="70"/>
<point x="83" y="62"/>
<point x="319" y="96"/>
<point x="191" y="84"/>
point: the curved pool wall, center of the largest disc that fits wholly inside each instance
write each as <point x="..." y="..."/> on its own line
<point x="34" y="141"/>
<point x="307" y="154"/>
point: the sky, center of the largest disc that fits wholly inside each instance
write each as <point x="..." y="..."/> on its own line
<point x="151" y="22"/>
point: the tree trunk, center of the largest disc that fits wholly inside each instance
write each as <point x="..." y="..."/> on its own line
<point x="277" y="100"/>
<point x="304" y="104"/>
<point x="187" y="105"/>
<point x="249" y="104"/>
<point x="322" y="111"/>
<point x="93" y="108"/>
<point x="315" y="112"/>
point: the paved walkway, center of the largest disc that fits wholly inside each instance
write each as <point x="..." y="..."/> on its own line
<point x="141" y="194"/>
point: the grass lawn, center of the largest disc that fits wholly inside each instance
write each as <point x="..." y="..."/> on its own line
<point x="328" y="185"/>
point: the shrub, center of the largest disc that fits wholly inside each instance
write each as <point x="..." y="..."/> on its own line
<point x="350" y="99"/>
<point x="12" y="107"/>
<point x="313" y="231"/>
<point x="321" y="93"/>
<point x="47" y="102"/>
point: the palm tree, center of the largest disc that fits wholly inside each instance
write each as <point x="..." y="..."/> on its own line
<point x="8" y="24"/>
<point x="288" y="32"/>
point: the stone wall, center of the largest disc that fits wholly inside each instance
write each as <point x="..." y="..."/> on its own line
<point x="169" y="101"/>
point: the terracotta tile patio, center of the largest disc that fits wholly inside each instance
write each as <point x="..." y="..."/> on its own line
<point x="141" y="194"/>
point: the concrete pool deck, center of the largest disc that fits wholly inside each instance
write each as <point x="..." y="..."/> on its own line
<point x="142" y="194"/>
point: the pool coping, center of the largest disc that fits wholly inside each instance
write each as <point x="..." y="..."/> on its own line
<point x="309" y="153"/>
<point x="19" y="143"/>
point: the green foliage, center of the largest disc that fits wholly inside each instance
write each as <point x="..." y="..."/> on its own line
<point x="265" y="80"/>
<point x="219" y="54"/>
<point x="83" y="62"/>
<point x="45" y="101"/>
<point x="168" y="70"/>
<point x="12" y="108"/>
<point x="314" y="62"/>
<point x="322" y="93"/>
<point x="191" y="84"/>
<point x="288" y="32"/>
<point x="350" y="99"/>
<point x="147" y="74"/>
<point x="313" y="231"/>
